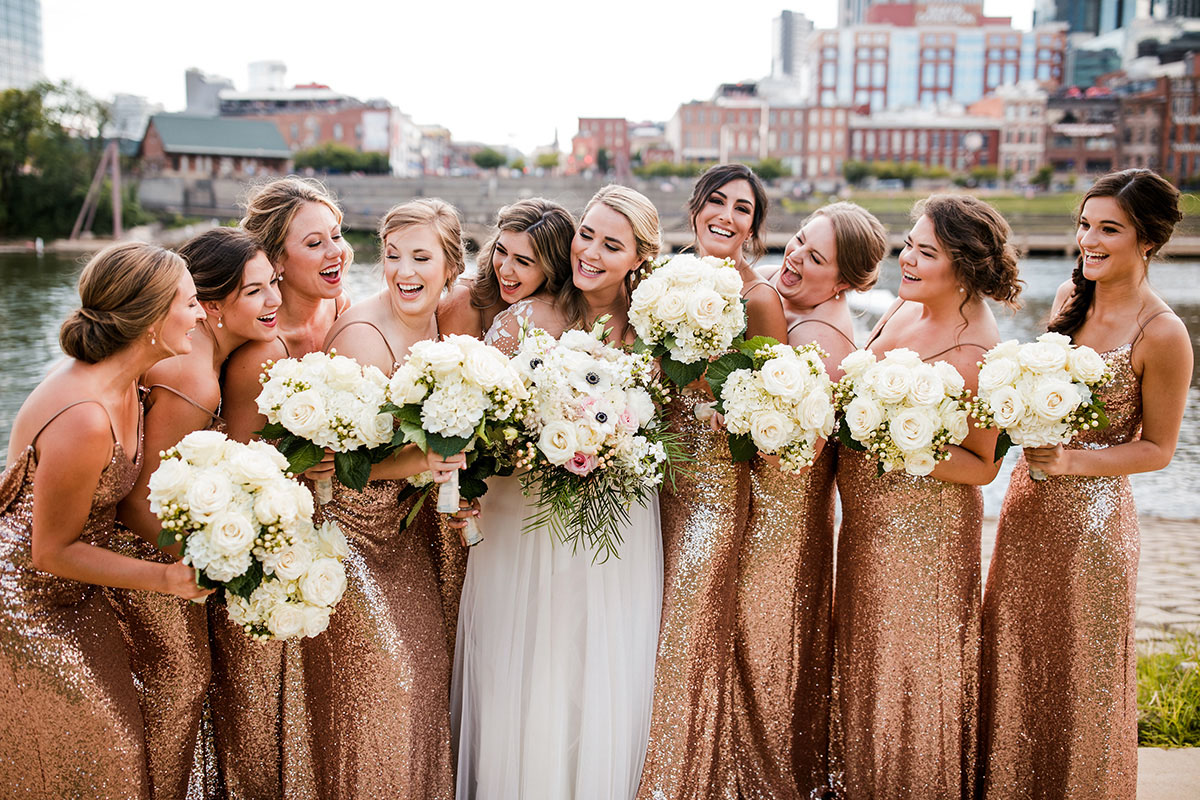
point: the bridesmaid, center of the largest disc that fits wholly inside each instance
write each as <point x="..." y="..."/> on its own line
<point x="1058" y="611"/>
<point x="263" y="739"/>
<point x="378" y="680"/>
<point x="70" y="725"/>
<point x="703" y="524"/>
<point x="906" y="600"/>
<point x="784" y="641"/>
<point x="529" y="254"/>
<point x="168" y="637"/>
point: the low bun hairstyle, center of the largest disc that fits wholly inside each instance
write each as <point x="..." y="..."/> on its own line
<point x="438" y="215"/>
<point x="861" y="243"/>
<point x="123" y="290"/>
<point x="975" y="237"/>
<point x="1152" y="205"/>
<point x="550" y="227"/>
<point x="217" y="260"/>
<point x="714" y="178"/>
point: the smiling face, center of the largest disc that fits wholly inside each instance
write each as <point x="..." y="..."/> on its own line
<point x="603" y="251"/>
<point x="926" y="270"/>
<point x="516" y="267"/>
<point x="810" y="274"/>
<point x="174" y="332"/>
<point x="314" y="254"/>
<point x="414" y="268"/>
<point x="724" y="222"/>
<point x="250" y="310"/>
<point x="1108" y="241"/>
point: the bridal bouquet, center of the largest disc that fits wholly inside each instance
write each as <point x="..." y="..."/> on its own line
<point x="450" y="395"/>
<point x="902" y="411"/>
<point x="592" y="437"/>
<point x="686" y="311"/>
<point x="776" y="399"/>
<point x="246" y="526"/>
<point x="326" y="401"/>
<point x="1039" y="394"/>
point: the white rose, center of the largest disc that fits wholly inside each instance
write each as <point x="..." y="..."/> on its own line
<point x="303" y="413"/>
<point x="290" y="563"/>
<point x="771" y="430"/>
<point x="783" y="377"/>
<point x="404" y="386"/>
<point x="912" y="429"/>
<point x="997" y="372"/>
<point x="952" y="379"/>
<point x="647" y="294"/>
<point x="727" y="281"/>
<point x="904" y="356"/>
<point x="671" y="309"/>
<point x="316" y="619"/>
<point x="324" y="583"/>
<point x="1086" y="365"/>
<point x="863" y="417"/>
<point x="375" y="428"/>
<point x="1053" y="399"/>
<point x="856" y="363"/>
<point x="251" y="468"/>
<point x="589" y="436"/>
<point x="815" y="412"/>
<point x="444" y="358"/>
<point x="893" y="382"/>
<point x="705" y="308"/>
<point x="927" y="388"/>
<point x="1059" y="339"/>
<point x="343" y="373"/>
<point x="331" y="541"/>
<point x="1006" y="349"/>
<point x="208" y="492"/>
<point x="919" y="463"/>
<point x="286" y="621"/>
<point x="275" y="503"/>
<point x="487" y="367"/>
<point x="203" y="448"/>
<point x="1007" y="406"/>
<point x="955" y="420"/>
<point x="169" y="482"/>
<point x="558" y="442"/>
<point x="230" y="534"/>
<point x="1042" y="356"/>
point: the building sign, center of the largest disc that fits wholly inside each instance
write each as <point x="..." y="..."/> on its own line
<point x="952" y="14"/>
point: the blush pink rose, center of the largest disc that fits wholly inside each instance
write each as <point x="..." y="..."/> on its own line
<point x="581" y="464"/>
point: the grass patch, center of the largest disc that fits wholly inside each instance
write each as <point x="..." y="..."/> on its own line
<point x="1169" y="695"/>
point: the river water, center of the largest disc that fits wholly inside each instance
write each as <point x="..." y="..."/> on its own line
<point x="40" y="291"/>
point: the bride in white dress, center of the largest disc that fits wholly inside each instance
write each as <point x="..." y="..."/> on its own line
<point x="554" y="663"/>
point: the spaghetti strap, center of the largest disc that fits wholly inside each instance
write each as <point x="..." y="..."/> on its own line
<point x="883" y="323"/>
<point x="835" y="328"/>
<point x="112" y="431"/>
<point x="283" y="344"/>
<point x="377" y="330"/>
<point x="216" y="417"/>
<point x="955" y="347"/>
<point x="754" y="283"/>
<point x="1142" y="327"/>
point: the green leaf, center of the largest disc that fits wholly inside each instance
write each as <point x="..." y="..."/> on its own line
<point x="303" y="454"/>
<point x="245" y="584"/>
<point x="470" y="488"/>
<point x="205" y="582"/>
<point x="742" y="447"/>
<point x="416" y="509"/>
<point x="447" y="445"/>
<point x="682" y="374"/>
<point x="408" y="413"/>
<point x="1101" y="416"/>
<point x="165" y="539"/>
<point x="415" y="434"/>
<point x="1003" y="443"/>
<point x="272" y="430"/>
<point x="408" y="491"/>
<point x="846" y="439"/>
<point x="751" y="346"/>
<point x="353" y="468"/>
<point x="720" y="370"/>
<point x="641" y="347"/>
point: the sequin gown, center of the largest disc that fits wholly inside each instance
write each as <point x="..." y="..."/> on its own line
<point x="167" y="639"/>
<point x="906" y="634"/>
<point x="783" y="650"/>
<point x="1058" y="621"/>
<point x="703" y="523"/>
<point x="70" y="725"/>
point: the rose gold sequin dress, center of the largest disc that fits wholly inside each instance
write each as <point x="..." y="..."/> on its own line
<point x="783" y="650"/>
<point x="1059" y="707"/>
<point x="167" y="639"/>
<point x="70" y="726"/>
<point x="906" y="634"/>
<point x="379" y="678"/>
<point x="703" y="523"/>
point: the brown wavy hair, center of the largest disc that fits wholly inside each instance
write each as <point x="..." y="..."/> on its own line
<point x="550" y="227"/>
<point x="714" y="178"/>
<point x="975" y="236"/>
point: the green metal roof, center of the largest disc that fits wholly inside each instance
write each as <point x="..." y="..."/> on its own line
<point x="220" y="136"/>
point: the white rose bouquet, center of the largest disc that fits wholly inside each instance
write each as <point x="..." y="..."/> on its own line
<point x="776" y="399"/>
<point x="450" y="395"/>
<point x="1040" y="394"/>
<point x="592" y="437"/>
<point x="327" y="401"/>
<point x="246" y="527"/>
<point x="903" y="412"/>
<point x="688" y="310"/>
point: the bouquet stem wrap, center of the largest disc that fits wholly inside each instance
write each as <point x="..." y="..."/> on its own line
<point x="324" y="490"/>
<point x="448" y="495"/>
<point x="1036" y="474"/>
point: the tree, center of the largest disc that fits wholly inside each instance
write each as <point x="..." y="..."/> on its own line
<point x="771" y="169"/>
<point x="1043" y="176"/>
<point x="855" y="172"/>
<point x="336" y="157"/>
<point x="518" y="164"/>
<point x="602" y="161"/>
<point x="487" y="158"/>
<point x="547" y="161"/>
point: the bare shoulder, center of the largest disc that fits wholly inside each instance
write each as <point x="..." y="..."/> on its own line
<point x="455" y="313"/>
<point x="364" y="342"/>
<point x="1166" y="337"/>
<point x="185" y="375"/>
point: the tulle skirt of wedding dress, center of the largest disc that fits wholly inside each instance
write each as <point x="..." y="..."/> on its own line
<point x="554" y="665"/>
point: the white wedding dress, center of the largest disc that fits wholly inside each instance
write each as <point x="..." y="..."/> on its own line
<point x="554" y="663"/>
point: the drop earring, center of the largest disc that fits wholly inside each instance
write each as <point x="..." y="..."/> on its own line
<point x="220" y="322"/>
<point x="152" y="339"/>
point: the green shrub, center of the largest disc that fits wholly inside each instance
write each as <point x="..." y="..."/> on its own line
<point x="1169" y="695"/>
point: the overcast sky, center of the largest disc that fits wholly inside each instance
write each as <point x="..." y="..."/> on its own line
<point x="506" y="73"/>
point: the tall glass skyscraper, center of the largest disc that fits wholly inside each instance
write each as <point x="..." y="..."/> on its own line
<point x="20" y="43"/>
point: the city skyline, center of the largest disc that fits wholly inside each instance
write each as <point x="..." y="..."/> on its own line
<point x="511" y="76"/>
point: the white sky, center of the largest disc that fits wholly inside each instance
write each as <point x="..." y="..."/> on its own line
<point x="506" y="73"/>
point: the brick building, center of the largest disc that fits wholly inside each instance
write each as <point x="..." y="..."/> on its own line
<point x="213" y="147"/>
<point x="956" y="142"/>
<point x="1082" y="132"/>
<point x="610" y="134"/>
<point x="1022" y="109"/>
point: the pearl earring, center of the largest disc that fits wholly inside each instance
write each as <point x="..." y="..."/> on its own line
<point x="152" y="339"/>
<point x="961" y="290"/>
<point x="219" y="322"/>
<point x="837" y="296"/>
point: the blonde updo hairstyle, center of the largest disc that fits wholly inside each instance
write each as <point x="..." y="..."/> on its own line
<point x="975" y="237"/>
<point x="438" y="215"/>
<point x="860" y="240"/>
<point x="271" y="207"/>
<point x="123" y="291"/>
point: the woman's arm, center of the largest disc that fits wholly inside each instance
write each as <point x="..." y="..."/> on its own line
<point x="73" y="452"/>
<point x="764" y="314"/>
<point x="971" y="462"/>
<point x="241" y="387"/>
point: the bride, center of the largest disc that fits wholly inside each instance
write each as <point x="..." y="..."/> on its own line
<point x="554" y="664"/>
